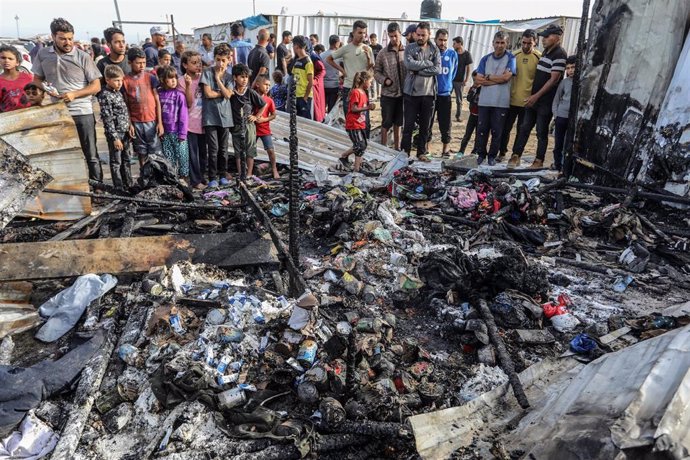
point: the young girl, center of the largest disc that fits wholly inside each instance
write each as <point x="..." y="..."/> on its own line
<point x="279" y="91"/>
<point x="175" y="121"/>
<point x="189" y="85"/>
<point x="263" y="121"/>
<point x="355" y="120"/>
<point x="12" y="81"/>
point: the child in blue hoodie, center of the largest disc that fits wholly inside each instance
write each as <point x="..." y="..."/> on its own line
<point x="444" y="82"/>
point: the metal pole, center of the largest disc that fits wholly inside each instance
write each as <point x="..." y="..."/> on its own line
<point x="172" y="24"/>
<point x="117" y="13"/>
<point x="16" y="18"/>
<point x="294" y="174"/>
<point x="254" y="6"/>
<point x="570" y="146"/>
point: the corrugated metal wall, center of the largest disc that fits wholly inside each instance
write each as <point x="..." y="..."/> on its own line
<point x="477" y="37"/>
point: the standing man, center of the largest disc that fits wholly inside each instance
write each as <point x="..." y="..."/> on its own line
<point x="115" y="39"/>
<point x="356" y="57"/>
<point x="283" y="55"/>
<point x="331" y="81"/>
<point x="423" y="63"/>
<point x="239" y="44"/>
<point x="526" y="61"/>
<point x="206" y="50"/>
<point x="410" y="33"/>
<point x="494" y="74"/>
<point x="76" y="78"/>
<point x="464" y="72"/>
<point x="444" y="82"/>
<point x="389" y="72"/>
<point x="177" y="57"/>
<point x="314" y="40"/>
<point x="375" y="49"/>
<point x="258" y="60"/>
<point x="151" y="49"/>
<point x="550" y="70"/>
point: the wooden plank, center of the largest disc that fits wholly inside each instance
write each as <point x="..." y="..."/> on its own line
<point x="60" y="259"/>
<point x="85" y="221"/>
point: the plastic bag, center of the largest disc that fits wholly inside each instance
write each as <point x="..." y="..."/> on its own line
<point x="565" y="323"/>
<point x="65" y="309"/>
<point x="582" y="344"/>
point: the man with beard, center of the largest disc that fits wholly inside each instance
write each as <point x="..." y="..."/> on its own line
<point x="389" y="71"/>
<point x="115" y="39"/>
<point x="206" y="50"/>
<point x="538" y="106"/>
<point x="521" y="88"/>
<point x="151" y="49"/>
<point x="423" y="62"/>
<point x="444" y="81"/>
<point x="76" y="79"/>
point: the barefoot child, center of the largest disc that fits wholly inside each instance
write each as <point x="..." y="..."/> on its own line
<point x="263" y="121"/>
<point x="175" y="121"/>
<point x="355" y="120"/>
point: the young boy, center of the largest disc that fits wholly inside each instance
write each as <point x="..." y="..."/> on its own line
<point x="116" y="126"/>
<point x="279" y="91"/>
<point x="144" y="107"/>
<point x="34" y="94"/>
<point x="216" y="113"/>
<point x="303" y="73"/>
<point x="245" y="102"/>
<point x="263" y="122"/>
<point x="473" y="99"/>
<point x="561" y="111"/>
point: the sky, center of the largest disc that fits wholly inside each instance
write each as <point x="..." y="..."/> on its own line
<point x="90" y="17"/>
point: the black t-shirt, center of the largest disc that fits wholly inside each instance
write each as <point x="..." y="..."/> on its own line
<point x="244" y="104"/>
<point x="552" y="61"/>
<point x="281" y="52"/>
<point x="464" y="59"/>
<point x="258" y="58"/>
<point x="376" y="49"/>
<point x="124" y="65"/>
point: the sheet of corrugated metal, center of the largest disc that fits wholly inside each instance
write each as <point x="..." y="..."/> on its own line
<point x="571" y="34"/>
<point x="319" y="144"/>
<point x="48" y="138"/>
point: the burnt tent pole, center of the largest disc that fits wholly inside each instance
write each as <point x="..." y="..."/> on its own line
<point x="294" y="175"/>
<point x="570" y="143"/>
<point x="243" y="148"/>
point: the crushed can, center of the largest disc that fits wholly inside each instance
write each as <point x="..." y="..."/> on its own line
<point x="231" y="398"/>
<point x="369" y="325"/>
<point x="223" y="364"/>
<point x="258" y="315"/>
<point x="230" y="334"/>
<point x="283" y="301"/>
<point x="210" y="356"/>
<point x="176" y="322"/>
<point x="307" y="393"/>
<point x="318" y="375"/>
<point x="293" y="363"/>
<point x="307" y="353"/>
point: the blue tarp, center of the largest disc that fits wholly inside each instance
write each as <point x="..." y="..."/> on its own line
<point x="253" y="22"/>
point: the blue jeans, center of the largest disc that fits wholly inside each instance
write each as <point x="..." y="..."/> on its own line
<point x="490" y="119"/>
<point x="304" y="107"/>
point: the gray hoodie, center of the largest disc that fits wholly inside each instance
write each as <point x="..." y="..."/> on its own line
<point x="422" y="67"/>
<point x="561" y="101"/>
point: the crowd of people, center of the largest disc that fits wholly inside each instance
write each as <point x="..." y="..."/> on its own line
<point x="189" y="105"/>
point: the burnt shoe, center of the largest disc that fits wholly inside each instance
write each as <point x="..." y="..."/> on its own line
<point x="514" y="161"/>
<point x="537" y="164"/>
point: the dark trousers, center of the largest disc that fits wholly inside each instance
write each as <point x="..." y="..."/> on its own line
<point x="120" y="168"/>
<point x="345" y="95"/>
<point x="418" y="110"/>
<point x="469" y="130"/>
<point x="490" y="119"/>
<point x="198" y="158"/>
<point x="457" y="89"/>
<point x="331" y="98"/>
<point x="559" y="138"/>
<point x="217" y="145"/>
<point x="514" y="113"/>
<point x="304" y="107"/>
<point x="86" y="129"/>
<point x="442" y="109"/>
<point x="541" y="117"/>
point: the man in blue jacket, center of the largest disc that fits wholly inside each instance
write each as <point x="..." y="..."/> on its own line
<point x="444" y="82"/>
<point x="241" y="46"/>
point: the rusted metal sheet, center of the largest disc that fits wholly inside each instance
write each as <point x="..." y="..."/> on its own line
<point x="60" y="259"/>
<point x="19" y="182"/>
<point x="48" y="138"/>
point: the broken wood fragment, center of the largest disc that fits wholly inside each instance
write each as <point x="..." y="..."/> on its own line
<point x="503" y="357"/>
<point x="59" y="259"/>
